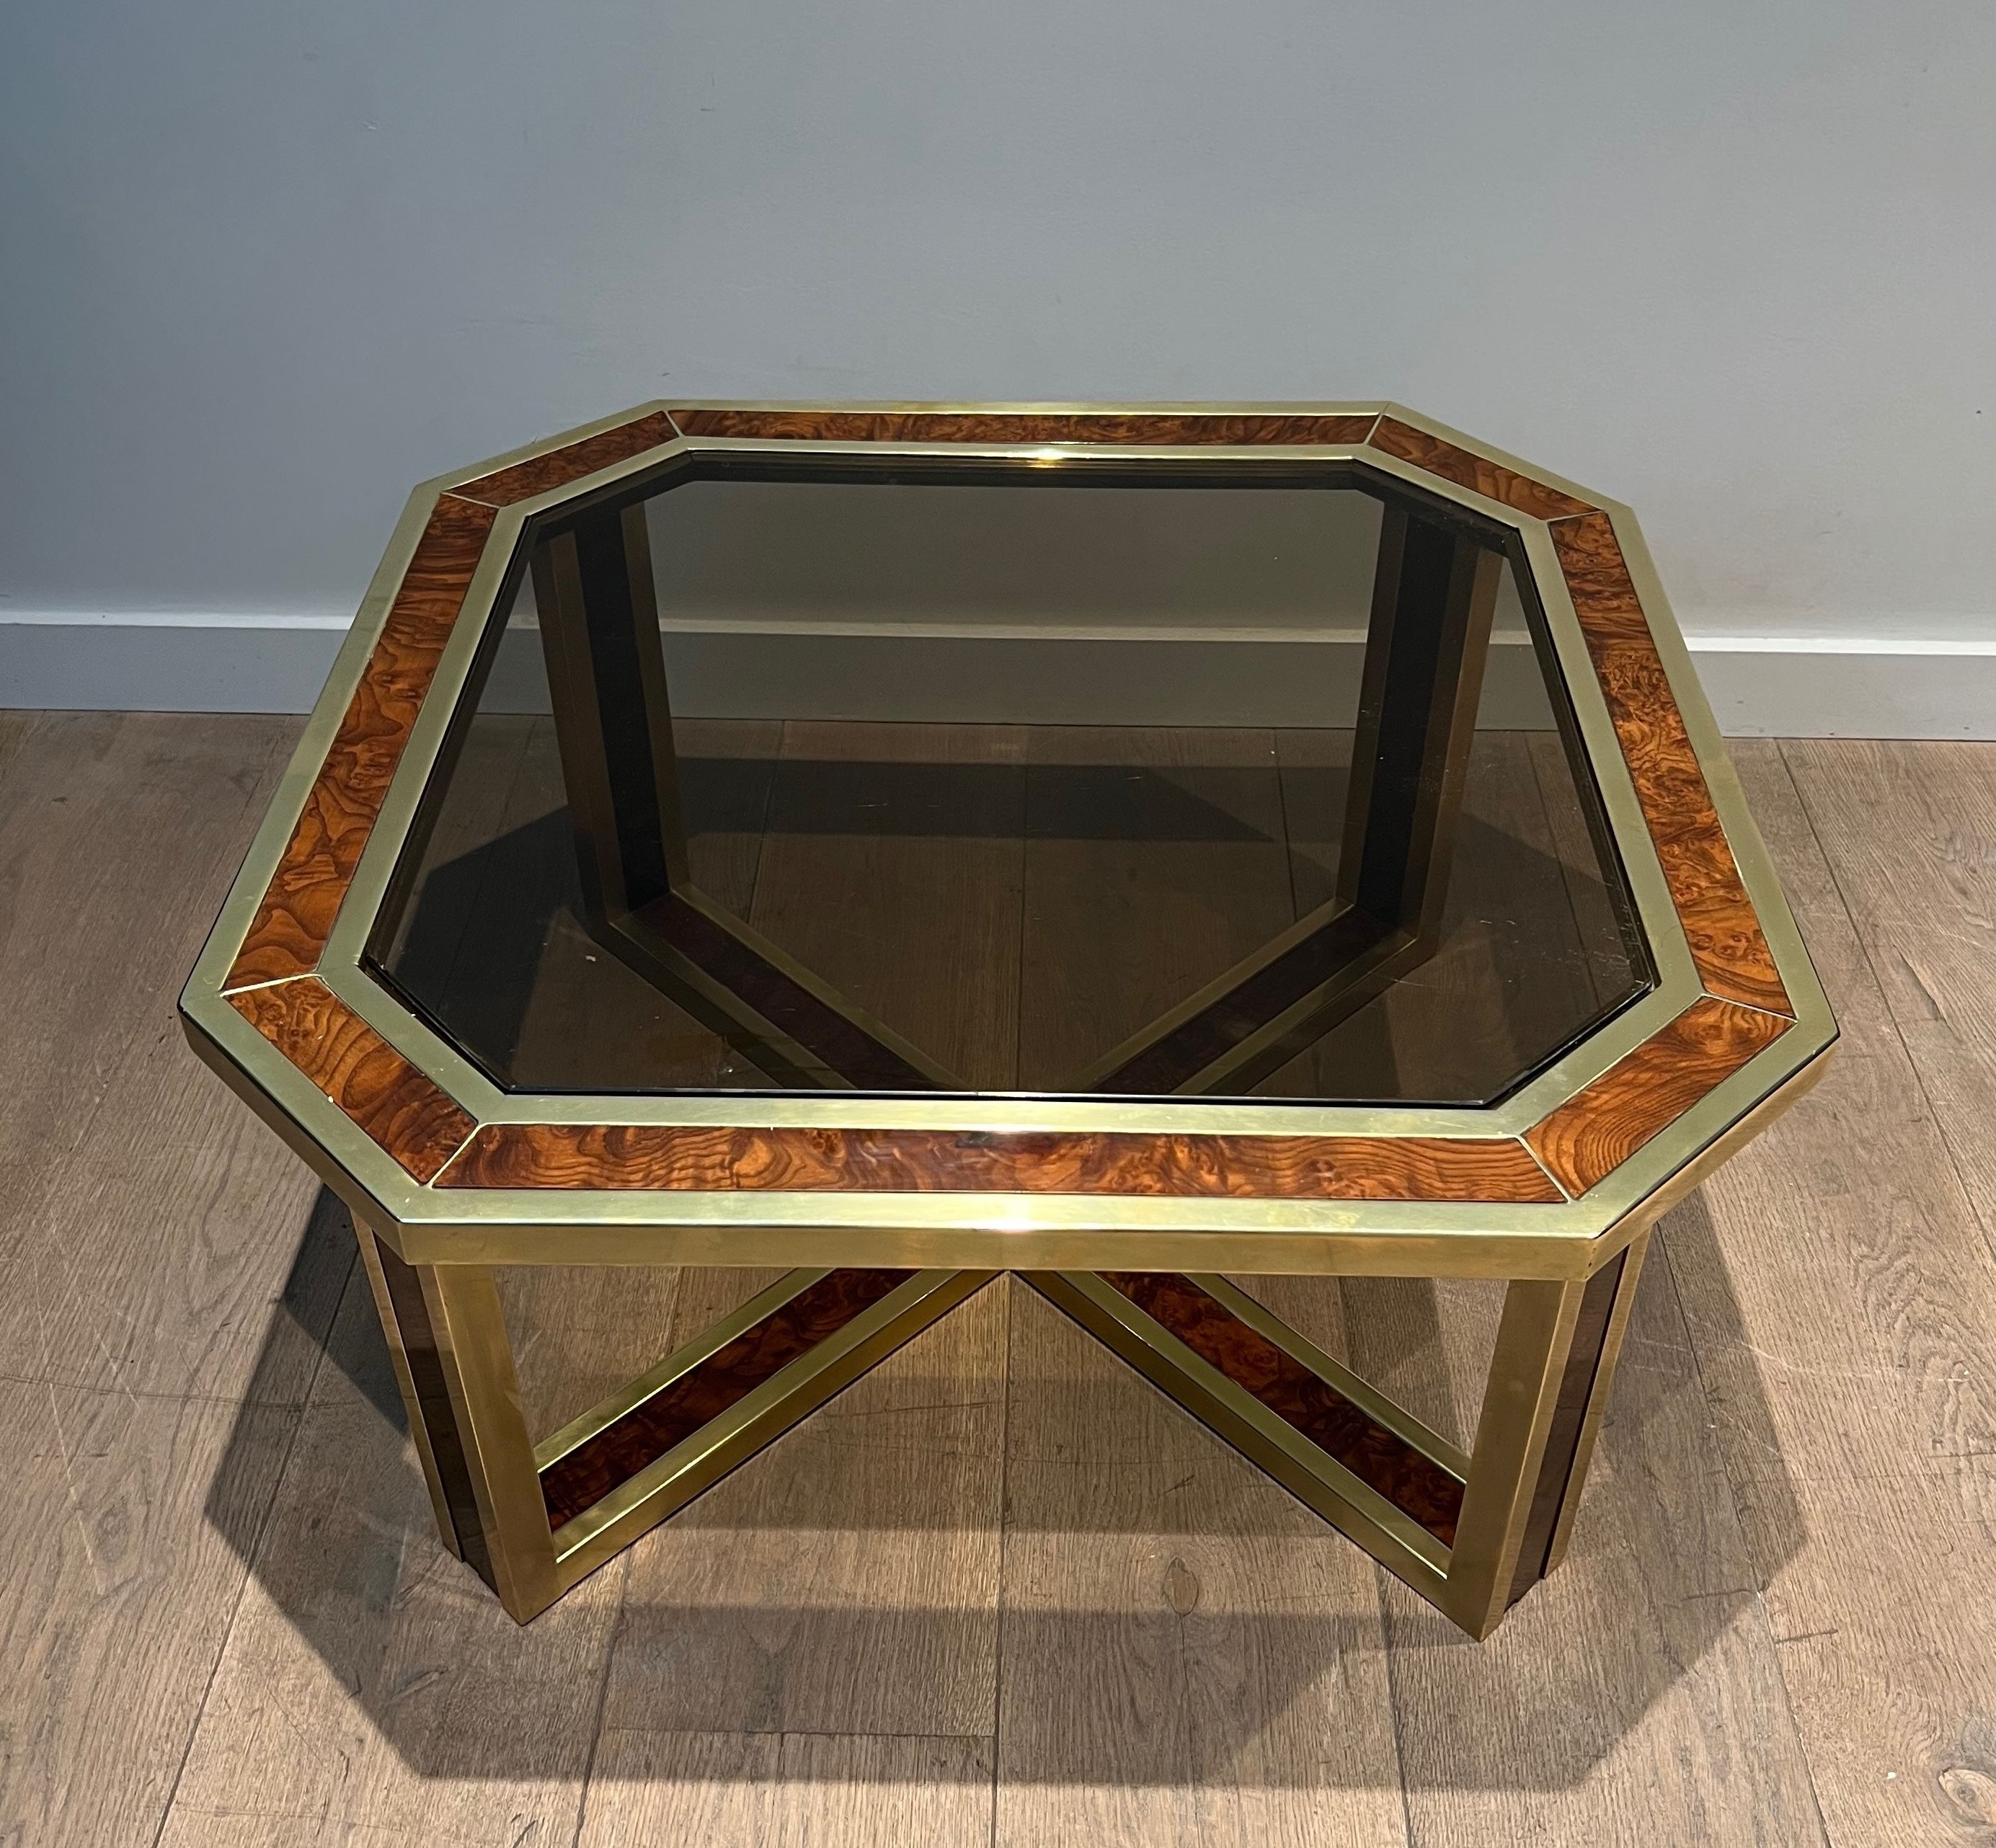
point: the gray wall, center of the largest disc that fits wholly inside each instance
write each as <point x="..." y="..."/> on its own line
<point x="263" y="268"/>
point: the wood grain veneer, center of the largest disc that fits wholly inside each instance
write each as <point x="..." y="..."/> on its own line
<point x="1592" y="1133"/>
<point x="400" y="1108"/>
<point x="589" y="1471"/>
<point x="651" y="1157"/>
<point x="1477" y="473"/>
<point x="1153" y="429"/>
<point x="1380" y="1458"/>
<point x="538" y="473"/>
<point x="296" y="915"/>
<point x="1733" y="957"/>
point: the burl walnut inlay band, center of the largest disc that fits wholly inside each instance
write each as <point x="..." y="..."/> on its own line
<point x="438" y="1143"/>
<point x="378" y="1089"/>
<point x="662" y="1157"/>
<point x="1492" y="480"/>
<point x="1382" y="1460"/>
<point x="293" y="922"/>
<point x="645" y="1432"/>
<point x="1590" y="1135"/>
<point x="538" y="473"/>
<point x="1726" y="941"/>
<point x="1144" y="429"/>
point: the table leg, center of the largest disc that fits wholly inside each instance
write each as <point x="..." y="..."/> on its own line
<point x="532" y="1519"/>
<point x="425" y="1396"/>
<point x="1471" y="1532"/>
<point x="1434" y="592"/>
<point x="445" y="1329"/>
<point x="1600" y="1382"/>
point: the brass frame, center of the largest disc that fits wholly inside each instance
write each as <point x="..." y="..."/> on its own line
<point x="1570" y="1262"/>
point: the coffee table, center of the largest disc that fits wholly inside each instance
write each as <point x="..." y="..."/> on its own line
<point x="1142" y="849"/>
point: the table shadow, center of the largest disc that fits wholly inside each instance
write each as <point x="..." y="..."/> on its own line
<point x="344" y="1549"/>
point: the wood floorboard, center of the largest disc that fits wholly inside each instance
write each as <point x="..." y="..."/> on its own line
<point x="845" y="1580"/>
<point x="906" y="904"/>
<point x="795" y="1790"/>
<point x="1190" y="1656"/>
<point x="119" y="832"/>
<point x="1842" y="1302"/>
<point x="1909" y="829"/>
<point x="372" y="1689"/>
<point x="158" y="1250"/>
<point x="1516" y="971"/>
<point x="1635" y="1693"/>
<point x="137" y="1235"/>
<point x="158" y="1351"/>
<point x="1001" y="1589"/>
<point x="1119" y="929"/>
<point x="121" y="1581"/>
<point x="582" y="1018"/>
<point x="1619" y="1689"/>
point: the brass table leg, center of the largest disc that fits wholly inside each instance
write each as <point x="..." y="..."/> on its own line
<point x="1471" y="1533"/>
<point x="447" y="1336"/>
<point x="532" y="1519"/>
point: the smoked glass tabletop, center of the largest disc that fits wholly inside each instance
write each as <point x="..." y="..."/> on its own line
<point x="1012" y="769"/>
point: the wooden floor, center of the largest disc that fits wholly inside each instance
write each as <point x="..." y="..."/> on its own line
<point x="1000" y="1591"/>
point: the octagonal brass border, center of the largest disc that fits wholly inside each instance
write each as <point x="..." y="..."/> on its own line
<point x="1551" y="1181"/>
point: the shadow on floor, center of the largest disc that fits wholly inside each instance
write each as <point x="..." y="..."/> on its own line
<point x="1160" y="1695"/>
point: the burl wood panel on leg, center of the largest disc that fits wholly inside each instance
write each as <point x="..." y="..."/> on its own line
<point x="532" y="1519"/>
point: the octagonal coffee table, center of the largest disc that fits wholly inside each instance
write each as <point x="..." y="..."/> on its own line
<point x="1118" y="845"/>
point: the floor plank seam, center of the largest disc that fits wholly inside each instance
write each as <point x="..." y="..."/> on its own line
<point x="1380" y="1594"/>
<point x="138" y="1396"/>
<point x="598" y="1729"/>
<point x="1004" y="1542"/>
<point x="848" y="1732"/>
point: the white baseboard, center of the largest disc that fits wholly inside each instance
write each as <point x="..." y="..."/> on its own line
<point x="1849" y="687"/>
<point x="167" y="663"/>
<point x="1785" y="686"/>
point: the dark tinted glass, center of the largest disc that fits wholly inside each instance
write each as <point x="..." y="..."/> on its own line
<point x="1015" y="785"/>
